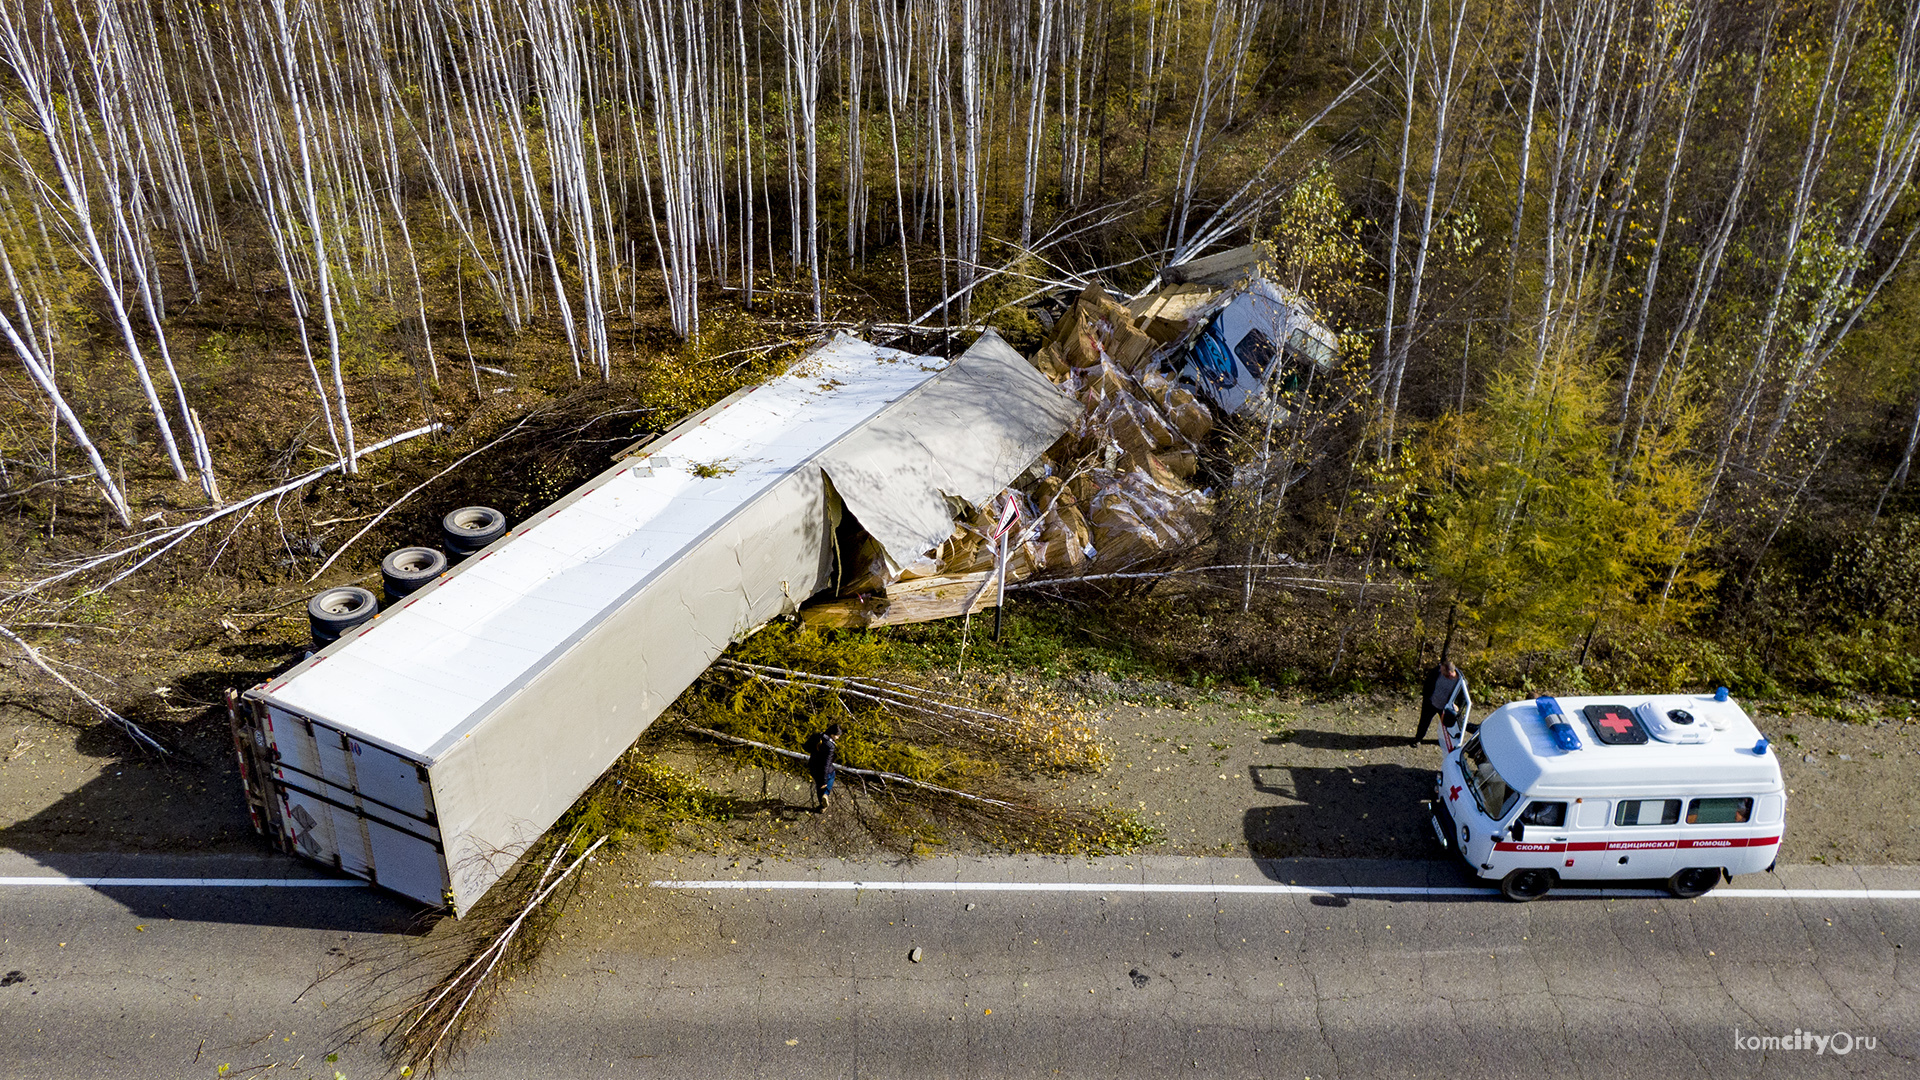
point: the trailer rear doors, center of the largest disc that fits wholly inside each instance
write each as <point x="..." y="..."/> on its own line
<point x="340" y="799"/>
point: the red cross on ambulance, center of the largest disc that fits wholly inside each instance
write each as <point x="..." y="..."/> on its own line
<point x="1616" y="723"/>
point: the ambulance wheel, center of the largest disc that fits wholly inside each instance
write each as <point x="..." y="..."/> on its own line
<point x="1524" y="885"/>
<point x="1693" y="881"/>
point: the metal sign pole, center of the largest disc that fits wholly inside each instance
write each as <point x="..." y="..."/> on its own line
<point x="1003" y="535"/>
<point x="1000" y="603"/>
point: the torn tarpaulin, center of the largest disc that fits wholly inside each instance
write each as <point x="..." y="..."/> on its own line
<point x="964" y="435"/>
<point x="1110" y="491"/>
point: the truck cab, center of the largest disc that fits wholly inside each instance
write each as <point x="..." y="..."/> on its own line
<point x="1680" y="788"/>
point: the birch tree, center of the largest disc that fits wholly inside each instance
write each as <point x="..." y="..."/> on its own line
<point x="807" y="30"/>
<point x="23" y="48"/>
<point x="41" y="372"/>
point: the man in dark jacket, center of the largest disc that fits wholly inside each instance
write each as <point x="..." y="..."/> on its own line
<point x="821" y="748"/>
<point x="1443" y="692"/>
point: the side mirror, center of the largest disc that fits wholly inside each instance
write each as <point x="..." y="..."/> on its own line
<point x="1519" y="831"/>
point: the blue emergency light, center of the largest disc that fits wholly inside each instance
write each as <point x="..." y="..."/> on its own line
<point x="1563" y="734"/>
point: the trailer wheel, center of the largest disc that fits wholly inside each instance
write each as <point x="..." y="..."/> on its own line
<point x="1693" y="881"/>
<point x="406" y="570"/>
<point x="471" y="528"/>
<point x="335" y="611"/>
<point x="1521" y="886"/>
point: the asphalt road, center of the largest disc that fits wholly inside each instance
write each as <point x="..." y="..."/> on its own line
<point x="1110" y="979"/>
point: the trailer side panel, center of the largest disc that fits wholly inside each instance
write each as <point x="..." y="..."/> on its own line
<point x="504" y="782"/>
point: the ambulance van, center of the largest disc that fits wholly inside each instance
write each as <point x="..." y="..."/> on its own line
<point x="1678" y="788"/>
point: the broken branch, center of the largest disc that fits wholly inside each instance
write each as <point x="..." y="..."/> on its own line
<point x="878" y="690"/>
<point x="127" y="727"/>
<point x="874" y="774"/>
<point x="1041" y="583"/>
<point x="69" y="478"/>
<point x="474" y="977"/>
<point x="395" y="504"/>
<point x="174" y="535"/>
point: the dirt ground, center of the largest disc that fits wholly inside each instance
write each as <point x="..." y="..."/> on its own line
<point x="71" y="784"/>
<point x="1219" y="772"/>
<point x="1227" y="772"/>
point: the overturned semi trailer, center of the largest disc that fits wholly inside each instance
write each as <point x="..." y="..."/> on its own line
<point x="425" y="749"/>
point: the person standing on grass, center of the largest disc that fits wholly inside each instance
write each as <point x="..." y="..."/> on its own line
<point x="821" y="747"/>
<point x="1443" y="694"/>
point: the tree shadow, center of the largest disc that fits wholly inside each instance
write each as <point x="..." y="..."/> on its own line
<point x="147" y="817"/>
<point x="1334" y="740"/>
<point x="1343" y="812"/>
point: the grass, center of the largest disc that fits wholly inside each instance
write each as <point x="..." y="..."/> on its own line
<point x="1037" y="731"/>
<point x="1046" y="639"/>
<point x="645" y="801"/>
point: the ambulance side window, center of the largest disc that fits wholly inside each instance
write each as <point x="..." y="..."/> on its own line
<point x="1647" y="812"/>
<point x="1552" y="815"/>
<point x="1719" y="811"/>
<point x="1591" y="815"/>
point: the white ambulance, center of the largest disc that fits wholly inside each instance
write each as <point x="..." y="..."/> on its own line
<point x="1676" y="787"/>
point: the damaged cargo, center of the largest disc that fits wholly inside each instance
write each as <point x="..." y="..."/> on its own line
<point x="426" y="748"/>
<point x="1151" y="380"/>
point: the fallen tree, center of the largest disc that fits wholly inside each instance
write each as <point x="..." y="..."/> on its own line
<point x="172" y="536"/>
<point x="147" y="743"/>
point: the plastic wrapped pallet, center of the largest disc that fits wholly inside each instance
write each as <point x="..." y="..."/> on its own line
<point x="1135" y="520"/>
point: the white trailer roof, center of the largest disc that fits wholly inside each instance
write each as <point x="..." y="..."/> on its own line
<point x="444" y="658"/>
<point x="1521" y="747"/>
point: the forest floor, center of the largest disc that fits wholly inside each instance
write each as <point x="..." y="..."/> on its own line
<point x="1217" y="771"/>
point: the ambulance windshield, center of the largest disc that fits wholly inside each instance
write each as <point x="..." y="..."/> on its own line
<point x="1489" y="790"/>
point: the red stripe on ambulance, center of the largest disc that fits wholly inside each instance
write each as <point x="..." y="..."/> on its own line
<point x="1641" y="845"/>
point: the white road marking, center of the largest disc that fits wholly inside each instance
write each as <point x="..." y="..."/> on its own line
<point x="1291" y="890"/>
<point x="1095" y="887"/>
<point x="1821" y="894"/>
<point x="1081" y="886"/>
<point x="45" y="880"/>
<point x="183" y="883"/>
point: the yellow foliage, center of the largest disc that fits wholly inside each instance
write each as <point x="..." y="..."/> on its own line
<point x="1536" y="530"/>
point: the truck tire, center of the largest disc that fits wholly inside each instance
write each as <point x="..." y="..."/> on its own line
<point x="405" y="571"/>
<point x="1693" y="881"/>
<point x="471" y="528"/>
<point x="335" y="611"/>
<point x="1521" y="886"/>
